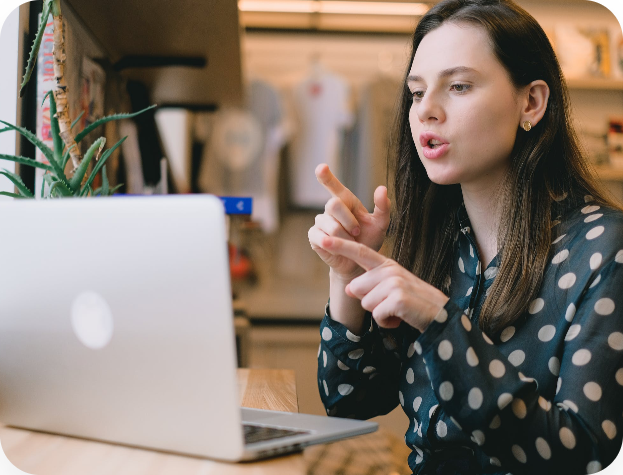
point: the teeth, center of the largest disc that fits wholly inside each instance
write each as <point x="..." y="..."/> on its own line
<point x="435" y="142"/>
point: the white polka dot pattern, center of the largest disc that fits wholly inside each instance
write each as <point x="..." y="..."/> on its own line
<point x="570" y="313"/>
<point x="504" y="400"/>
<point x="445" y="350"/>
<point x="352" y="336"/>
<point x="446" y="390"/>
<point x="567" y="438"/>
<point x="561" y="256"/>
<point x="478" y="437"/>
<point x="355" y="354"/>
<point x="576" y="359"/>
<point x="495" y="422"/>
<point x="472" y="359"/>
<point x="554" y="365"/>
<point x="592" y="217"/>
<point x="536" y="306"/>
<point x="410" y="376"/>
<point x="345" y="389"/>
<point x="567" y="281"/>
<point x="592" y="390"/>
<point x="593" y="467"/>
<point x="543" y="449"/>
<point x="595" y="233"/>
<point x="547" y="332"/>
<point x="519" y="408"/>
<point x="497" y="369"/>
<point x="574" y="330"/>
<point x="474" y="398"/>
<point x="595" y="261"/>
<point x="442" y="429"/>
<point x="604" y="306"/>
<point x="517" y="357"/>
<point x="615" y="341"/>
<point x="519" y="453"/>
<point x="609" y="428"/>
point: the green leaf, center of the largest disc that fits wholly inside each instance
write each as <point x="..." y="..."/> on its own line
<point x="112" y="190"/>
<point x="105" y="184"/>
<point x="43" y="185"/>
<point x="12" y="195"/>
<point x="6" y="129"/>
<point x="58" y="141"/>
<point x="57" y="188"/>
<point x="101" y="162"/>
<point x="63" y="190"/>
<point x="75" y="181"/>
<point x="19" y="184"/>
<point x="103" y="120"/>
<point x="32" y="138"/>
<point x="77" y="120"/>
<point x="26" y="161"/>
<point x="66" y="156"/>
<point x="34" y="51"/>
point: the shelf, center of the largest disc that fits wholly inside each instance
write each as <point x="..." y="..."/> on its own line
<point x="596" y="83"/>
<point x="609" y="173"/>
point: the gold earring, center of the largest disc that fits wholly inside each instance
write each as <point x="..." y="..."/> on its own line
<point x="527" y="125"/>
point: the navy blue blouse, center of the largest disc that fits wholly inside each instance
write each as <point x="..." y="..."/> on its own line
<point x="543" y="396"/>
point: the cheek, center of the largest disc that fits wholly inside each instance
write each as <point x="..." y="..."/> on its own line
<point x="488" y="128"/>
<point x="416" y="128"/>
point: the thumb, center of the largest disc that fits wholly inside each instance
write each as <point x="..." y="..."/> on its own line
<point x="381" y="204"/>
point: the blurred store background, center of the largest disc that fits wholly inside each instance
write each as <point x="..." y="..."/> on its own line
<point x="252" y="97"/>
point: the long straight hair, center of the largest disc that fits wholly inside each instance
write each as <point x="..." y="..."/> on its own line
<point x="545" y="164"/>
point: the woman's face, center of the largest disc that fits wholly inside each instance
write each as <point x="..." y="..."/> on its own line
<point x="474" y="111"/>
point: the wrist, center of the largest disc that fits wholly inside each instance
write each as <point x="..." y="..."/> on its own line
<point x="440" y="315"/>
<point x="344" y="279"/>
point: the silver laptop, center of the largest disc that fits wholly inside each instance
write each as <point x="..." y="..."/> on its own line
<point x="116" y="324"/>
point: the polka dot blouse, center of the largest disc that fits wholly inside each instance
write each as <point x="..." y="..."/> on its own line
<point x="543" y="396"/>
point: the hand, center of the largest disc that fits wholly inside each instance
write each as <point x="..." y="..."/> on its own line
<point x="388" y="290"/>
<point x="347" y="218"/>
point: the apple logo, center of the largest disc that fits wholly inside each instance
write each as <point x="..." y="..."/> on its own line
<point x="91" y="320"/>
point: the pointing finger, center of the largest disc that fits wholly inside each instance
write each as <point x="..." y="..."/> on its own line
<point x="337" y="189"/>
<point x="359" y="253"/>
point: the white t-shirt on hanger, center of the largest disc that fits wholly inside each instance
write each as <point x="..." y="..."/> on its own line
<point x="321" y="108"/>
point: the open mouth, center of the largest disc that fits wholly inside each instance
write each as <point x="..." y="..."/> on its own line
<point x="434" y="145"/>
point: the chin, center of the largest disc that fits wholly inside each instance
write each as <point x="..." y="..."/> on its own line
<point x="442" y="178"/>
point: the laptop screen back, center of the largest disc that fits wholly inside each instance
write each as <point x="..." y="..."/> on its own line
<point x="116" y="322"/>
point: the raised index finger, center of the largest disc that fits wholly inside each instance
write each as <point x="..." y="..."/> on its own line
<point x="359" y="253"/>
<point x="335" y="187"/>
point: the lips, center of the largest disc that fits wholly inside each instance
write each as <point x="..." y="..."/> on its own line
<point x="426" y="137"/>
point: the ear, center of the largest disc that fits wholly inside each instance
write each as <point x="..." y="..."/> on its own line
<point x="534" y="102"/>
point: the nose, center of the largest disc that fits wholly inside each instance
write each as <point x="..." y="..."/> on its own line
<point x="429" y="108"/>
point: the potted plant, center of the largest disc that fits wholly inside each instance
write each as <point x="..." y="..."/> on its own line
<point x="76" y="183"/>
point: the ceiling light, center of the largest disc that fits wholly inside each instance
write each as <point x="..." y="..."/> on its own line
<point x="336" y="7"/>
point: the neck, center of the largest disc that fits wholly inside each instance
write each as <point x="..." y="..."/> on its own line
<point x="482" y="204"/>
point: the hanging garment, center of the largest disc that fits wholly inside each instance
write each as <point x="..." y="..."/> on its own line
<point x="321" y="109"/>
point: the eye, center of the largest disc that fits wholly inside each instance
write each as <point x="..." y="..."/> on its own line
<point x="417" y="95"/>
<point x="462" y="87"/>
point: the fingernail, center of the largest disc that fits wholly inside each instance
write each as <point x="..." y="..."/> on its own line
<point x="356" y="232"/>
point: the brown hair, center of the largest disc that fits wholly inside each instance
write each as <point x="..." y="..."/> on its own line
<point x="545" y="163"/>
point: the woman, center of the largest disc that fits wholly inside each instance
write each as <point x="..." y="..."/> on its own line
<point x="497" y="325"/>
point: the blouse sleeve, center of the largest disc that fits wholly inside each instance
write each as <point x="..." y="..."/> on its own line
<point x="575" y="431"/>
<point x="358" y="374"/>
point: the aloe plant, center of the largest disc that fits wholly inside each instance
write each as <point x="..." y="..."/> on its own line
<point x="79" y="182"/>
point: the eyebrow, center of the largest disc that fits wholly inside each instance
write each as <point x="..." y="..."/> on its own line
<point x="446" y="73"/>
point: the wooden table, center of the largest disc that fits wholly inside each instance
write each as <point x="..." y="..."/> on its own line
<point x="46" y="454"/>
